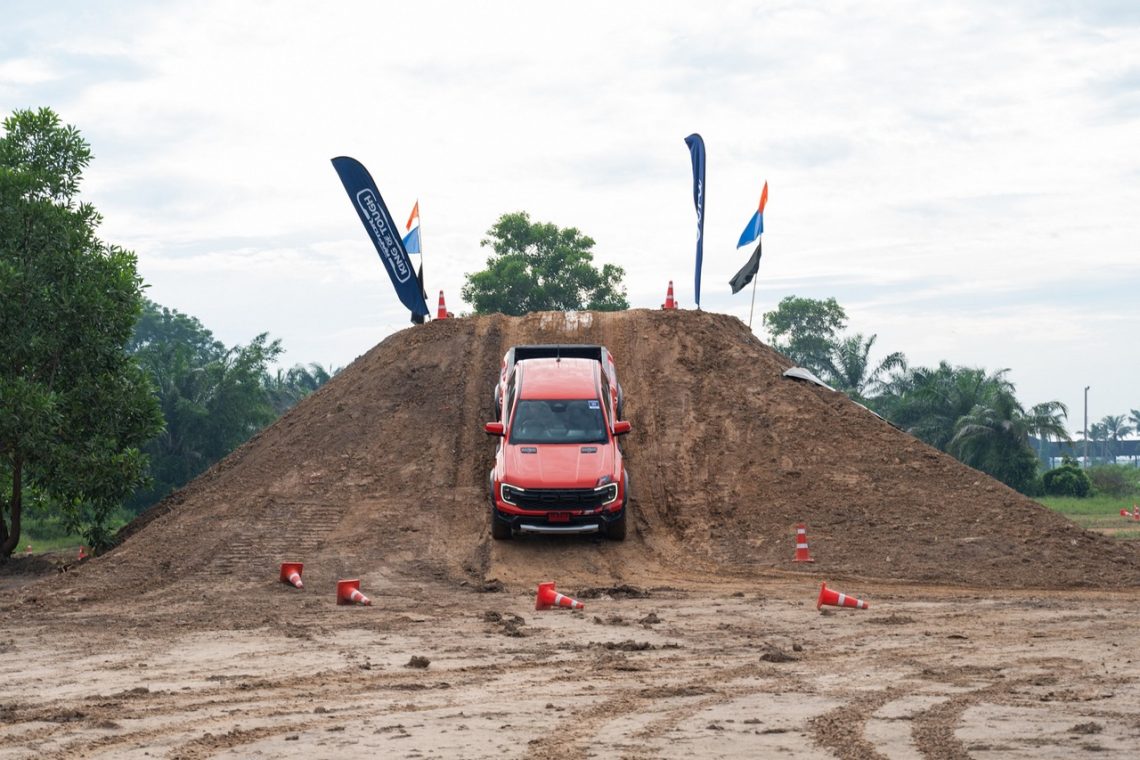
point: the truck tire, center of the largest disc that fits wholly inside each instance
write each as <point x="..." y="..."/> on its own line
<point x="500" y="529"/>
<point x="615" y="531"/>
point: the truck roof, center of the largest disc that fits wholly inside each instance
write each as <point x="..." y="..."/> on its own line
<point x="558" y="378"/>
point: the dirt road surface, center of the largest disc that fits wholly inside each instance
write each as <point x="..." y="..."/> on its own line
<point x="995" y="628"/>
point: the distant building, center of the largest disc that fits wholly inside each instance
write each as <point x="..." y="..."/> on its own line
<point x="1100" y="452"/>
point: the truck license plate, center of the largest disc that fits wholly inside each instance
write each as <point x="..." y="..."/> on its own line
<point x="558" y="517"/>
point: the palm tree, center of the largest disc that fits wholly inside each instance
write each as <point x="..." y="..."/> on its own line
<point x="1134" y="418"/>
<point x="994" y="436"/>
<point x="848" y="367"/>
<point x="1099" y="434"/>
<point x="927" y="403"/>
<point x="1115" y="429"/>
<point x="287" y="387"/>
<point x="1047" y="420"/>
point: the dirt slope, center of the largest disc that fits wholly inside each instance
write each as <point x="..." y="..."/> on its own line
<point x="381" y="475"/>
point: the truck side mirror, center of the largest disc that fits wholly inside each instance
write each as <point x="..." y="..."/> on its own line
<point x="494" y="428"/>
<point x="621" y="427"/>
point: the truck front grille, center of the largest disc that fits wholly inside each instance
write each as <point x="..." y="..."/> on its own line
<point x="559" y="499"/>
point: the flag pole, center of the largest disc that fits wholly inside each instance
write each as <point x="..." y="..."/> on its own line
<point x="421" y="215"/>
<point x="420" y="219"/>
<point x="750" y="308"/>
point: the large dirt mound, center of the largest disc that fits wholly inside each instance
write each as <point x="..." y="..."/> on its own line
<point x="381" y="475"/>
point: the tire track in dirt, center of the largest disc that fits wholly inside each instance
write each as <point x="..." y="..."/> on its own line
<point x="842" y="730"/>
<point x="243" y="555"/>
<point x="211" y="715"/>
<point x="472" y="460"/>
<point x="576" y="735"/>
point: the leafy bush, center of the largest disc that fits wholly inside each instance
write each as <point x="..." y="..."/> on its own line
<point x="1067" y="480"/>
<point x="1115" y="479"/>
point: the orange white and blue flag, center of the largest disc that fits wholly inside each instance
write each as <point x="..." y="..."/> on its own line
<point x="756" y="224"/>
<point x="412" y="239"/>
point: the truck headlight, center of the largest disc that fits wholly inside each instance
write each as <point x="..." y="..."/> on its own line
<point x="609" y="493"/>
<point x="510" y="494"/>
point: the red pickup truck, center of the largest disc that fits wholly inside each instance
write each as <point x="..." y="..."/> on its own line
<point x="558" y="467"/>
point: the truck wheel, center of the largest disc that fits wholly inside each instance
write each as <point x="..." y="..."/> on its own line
<point x="500" y="529"/>
<point x="615" y="531"/>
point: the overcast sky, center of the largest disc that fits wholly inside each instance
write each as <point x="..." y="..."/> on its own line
<point x="963" y="178"/>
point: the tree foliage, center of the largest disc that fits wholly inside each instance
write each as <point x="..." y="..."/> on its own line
<point x="1067" y="480"/>
<point x="806" y="330"/>
<point x="1111" y="431"/>
<point x="541" y="267"/>
<point x="288" y="386"/>
<point x="975" y="416"/>
<point x="1116" y="480"/>
<point x="213" y="398"/>
<point x="927" y="402"/>
<point x="848" y="367"/>
<point x="74" y="406"/>
<point x="994" y="437"/>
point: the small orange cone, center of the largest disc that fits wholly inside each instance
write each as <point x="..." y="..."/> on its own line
<point x="291" y="573"/>
<point x="348" y="592"/>
<point x="802" y="554"/>
<point x="547" y="597"/>
<point x="669" y="302"/>
<point x="1135" y="512"/>
<point x="82" y="552"/>
<point x="836" y="599"/>
<point x="441" y="312"/>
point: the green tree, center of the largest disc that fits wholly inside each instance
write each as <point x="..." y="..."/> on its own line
<point x="994" y="436"/>
<point x="806" y="330"/>
<point x="287" y="387"/>
<point x="1115" y="429"/>
<point x="928" y="402"/>
<point x="1134" y="418"/>
<point x="1098" y="433"/>
<point x="1067" y="480"/>
<point x="540" y="267"/>
<point x="848" y="367"/>
<point x="213" y="398"/>
<point x="1046" y="421"/>
<point x="75" y="408"/>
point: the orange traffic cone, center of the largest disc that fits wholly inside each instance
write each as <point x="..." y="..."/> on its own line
<point x="1135" y="512"/>
<point x="348" y="592"/>
<point x="547" y="597"/>
<point x="802" y="554"/>
<point x="669" y="302"/>
<point x="836" y="599"/>
<point x="291" y="573"/>
<point x="1125" y="513"/>
<point x="82" y="552"/>
<point x="441" y="312"/>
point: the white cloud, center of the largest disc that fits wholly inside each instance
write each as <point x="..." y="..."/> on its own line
<point x="928" y="163"/>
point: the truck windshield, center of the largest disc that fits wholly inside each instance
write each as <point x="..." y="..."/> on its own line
<point x="547" y="421"/>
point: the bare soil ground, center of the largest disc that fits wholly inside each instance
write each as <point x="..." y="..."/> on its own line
<point x="996" y="628"/>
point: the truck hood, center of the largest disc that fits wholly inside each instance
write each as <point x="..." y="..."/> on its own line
<point x="561" y="465"/>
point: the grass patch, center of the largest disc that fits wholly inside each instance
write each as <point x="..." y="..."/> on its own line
<point x="1099" y="513"/>
<point x="46" y="534"/>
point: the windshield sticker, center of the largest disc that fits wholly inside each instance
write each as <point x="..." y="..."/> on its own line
<point x="593" y="404"/>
